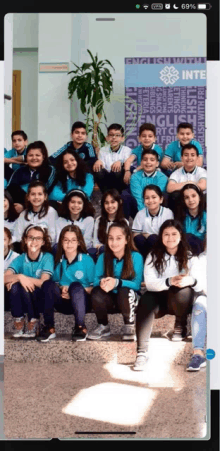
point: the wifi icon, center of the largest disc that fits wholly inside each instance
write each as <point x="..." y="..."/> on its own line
<point x="145" y="6"/>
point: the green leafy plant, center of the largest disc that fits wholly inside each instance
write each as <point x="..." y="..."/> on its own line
<point x="93" y="84"/>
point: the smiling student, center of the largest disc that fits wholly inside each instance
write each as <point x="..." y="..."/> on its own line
<point x="24" y="279"/>
<point x="118" y="277"/>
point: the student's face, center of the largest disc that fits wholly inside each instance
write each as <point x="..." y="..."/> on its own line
<point x="152" y="200"/>
<point x="147" y="138"/>
<point x="110" y="205"/>
<point x="114" y="138"/>
<point x="37" y="197"/>
<point x="69" y="163"/>
<point x="70" y="242"/>
<point x="79" y="136"/>
<point x="189" y="159"/>
<point x="35" y="158"/>
<point x="34" y="240"/>
<point x="6" y="205"/>
<point x="185" y="135"/>
<point x="18" y="143"/>
<point x="171" y="238"/>
<point x="117" y="240"/>
<point x="149" y="163"/>
<point x="75" y="205"/>
<point x="191" y="199"/>
<point x="7" y="242"/>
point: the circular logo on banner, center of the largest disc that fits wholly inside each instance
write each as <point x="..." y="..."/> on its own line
<point x="79" y="274"/>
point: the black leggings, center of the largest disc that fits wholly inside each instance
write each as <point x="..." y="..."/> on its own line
<point x="175" y="301"/>
<point x="123" y="301"/>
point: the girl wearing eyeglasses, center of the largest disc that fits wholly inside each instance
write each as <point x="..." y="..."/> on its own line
<point x="24" y="279"/>
<point x="69" y="290"/>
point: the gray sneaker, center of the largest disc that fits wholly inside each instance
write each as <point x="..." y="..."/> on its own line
<point x="32" y="329"/>
<point x="100" y="332"/>
<point x="141" y="362"/>
<point x="19" y="326"/>
<point x="128" y="332"/>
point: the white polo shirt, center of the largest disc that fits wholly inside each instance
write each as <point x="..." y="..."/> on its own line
<point x="144" y="222"/>
<point x="86" y="226"/>
<point x="48" y="221"/>
<point x="108" y="157"/>
<point x="180" y="175"/>
<point x="9" y="258"/>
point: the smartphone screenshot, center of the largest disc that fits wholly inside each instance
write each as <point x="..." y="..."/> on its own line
<point x="109" y="311"/>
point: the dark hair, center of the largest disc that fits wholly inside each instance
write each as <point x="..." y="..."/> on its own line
<point x="20" y="133"/>
<point x="28" y="206"/>
<point x="104" y="216"/>
<point x="182" y="209"/>
<point x="147" y="126"/>
<point x="184" y="125"/>
<point x="81" y="246"/>
<point x="12" y="213"/>
<point x="116" y="127"/>
<point x="150" y="152"/>
<point x="154" y="188"/>
<point x="159" y="250"/>
<point x="44" y="170"/>
<point x="127" y="270"/>
<point x="47" y="240"/>
<point x="188" y="147"/>
<point x="76" y="125"/>
<point x="80" y="172"/>
<point x="9" y="235"/>
<point x="88" y="209"/>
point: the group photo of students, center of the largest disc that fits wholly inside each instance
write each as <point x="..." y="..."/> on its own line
<point x="143" y="254"/>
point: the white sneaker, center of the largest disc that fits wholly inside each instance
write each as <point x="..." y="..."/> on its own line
<point x="19" y="325"/>
<point x="32" y="329"/>
<point x="141" y="362"/>
<point x="99" y="332"/>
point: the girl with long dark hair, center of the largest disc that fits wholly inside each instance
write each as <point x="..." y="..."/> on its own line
<point x="69" y="290"/>
<point x="118" y="277"/>
<point x="168" y="275"/>
<point x="10" y="214"/>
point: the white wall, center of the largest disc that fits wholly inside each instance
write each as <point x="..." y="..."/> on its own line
<point x="27" y="62"/>
<point x="8" y="43"/>
<point x="25" y="30"/>
<point x="53" y="103"/>
<point x="130" y="35"/>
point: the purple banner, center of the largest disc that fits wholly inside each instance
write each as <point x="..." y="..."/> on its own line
<point x="165" y="107"/>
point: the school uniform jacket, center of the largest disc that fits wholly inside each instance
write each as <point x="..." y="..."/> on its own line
<point x="144" y="222"/>
<point x="86" y="152"/>
<point x="48" y="221"/>
<point x="156" y="282"/>
<point x="139" y="180"/>
<point x="190" y="225"/>
<point x="81" y="269"/>
<point x="86" y="226"/>
<point x="134" y="284"/>
<point x="14" y="153"/>
<point x="58" y="194"/>
<point x="44" y="264"/>
<point x="24" y="175"/>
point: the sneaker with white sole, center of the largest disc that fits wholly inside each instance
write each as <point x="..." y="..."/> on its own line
<point x="19" y="326"/>
<point x="101" y="331"/>
<point x="128" y="332"/>
<point x="79" y="333"/>
<point x="32" y="329"/>
<point x="46" y="334"/>
<point x="141" y="362"/>
<point x="197" y="362"/>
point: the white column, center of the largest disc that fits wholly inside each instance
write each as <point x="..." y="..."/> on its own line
<point x="54" y="124"/>
<point x="8" y="60"/>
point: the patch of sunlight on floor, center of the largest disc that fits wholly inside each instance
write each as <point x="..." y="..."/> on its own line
<point x="113" y="403"/>
<point x="157" y="374"/>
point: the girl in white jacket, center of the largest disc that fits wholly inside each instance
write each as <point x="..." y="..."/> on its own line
<point x="169" y="277"/>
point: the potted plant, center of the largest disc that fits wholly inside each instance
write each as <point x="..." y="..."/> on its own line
<point x="93" y="84"/>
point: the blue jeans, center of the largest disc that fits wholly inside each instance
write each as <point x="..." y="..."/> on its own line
<point x="198" y="322"/>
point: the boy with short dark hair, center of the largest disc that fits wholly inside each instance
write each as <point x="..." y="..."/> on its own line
<point x="109" y="168"/>
<point x="149" y="174"/>
<point x="172" y="155"/>
<point x="79" y="144"/>
<point x="147" y="138"/>
<point x="16" y="155"/>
